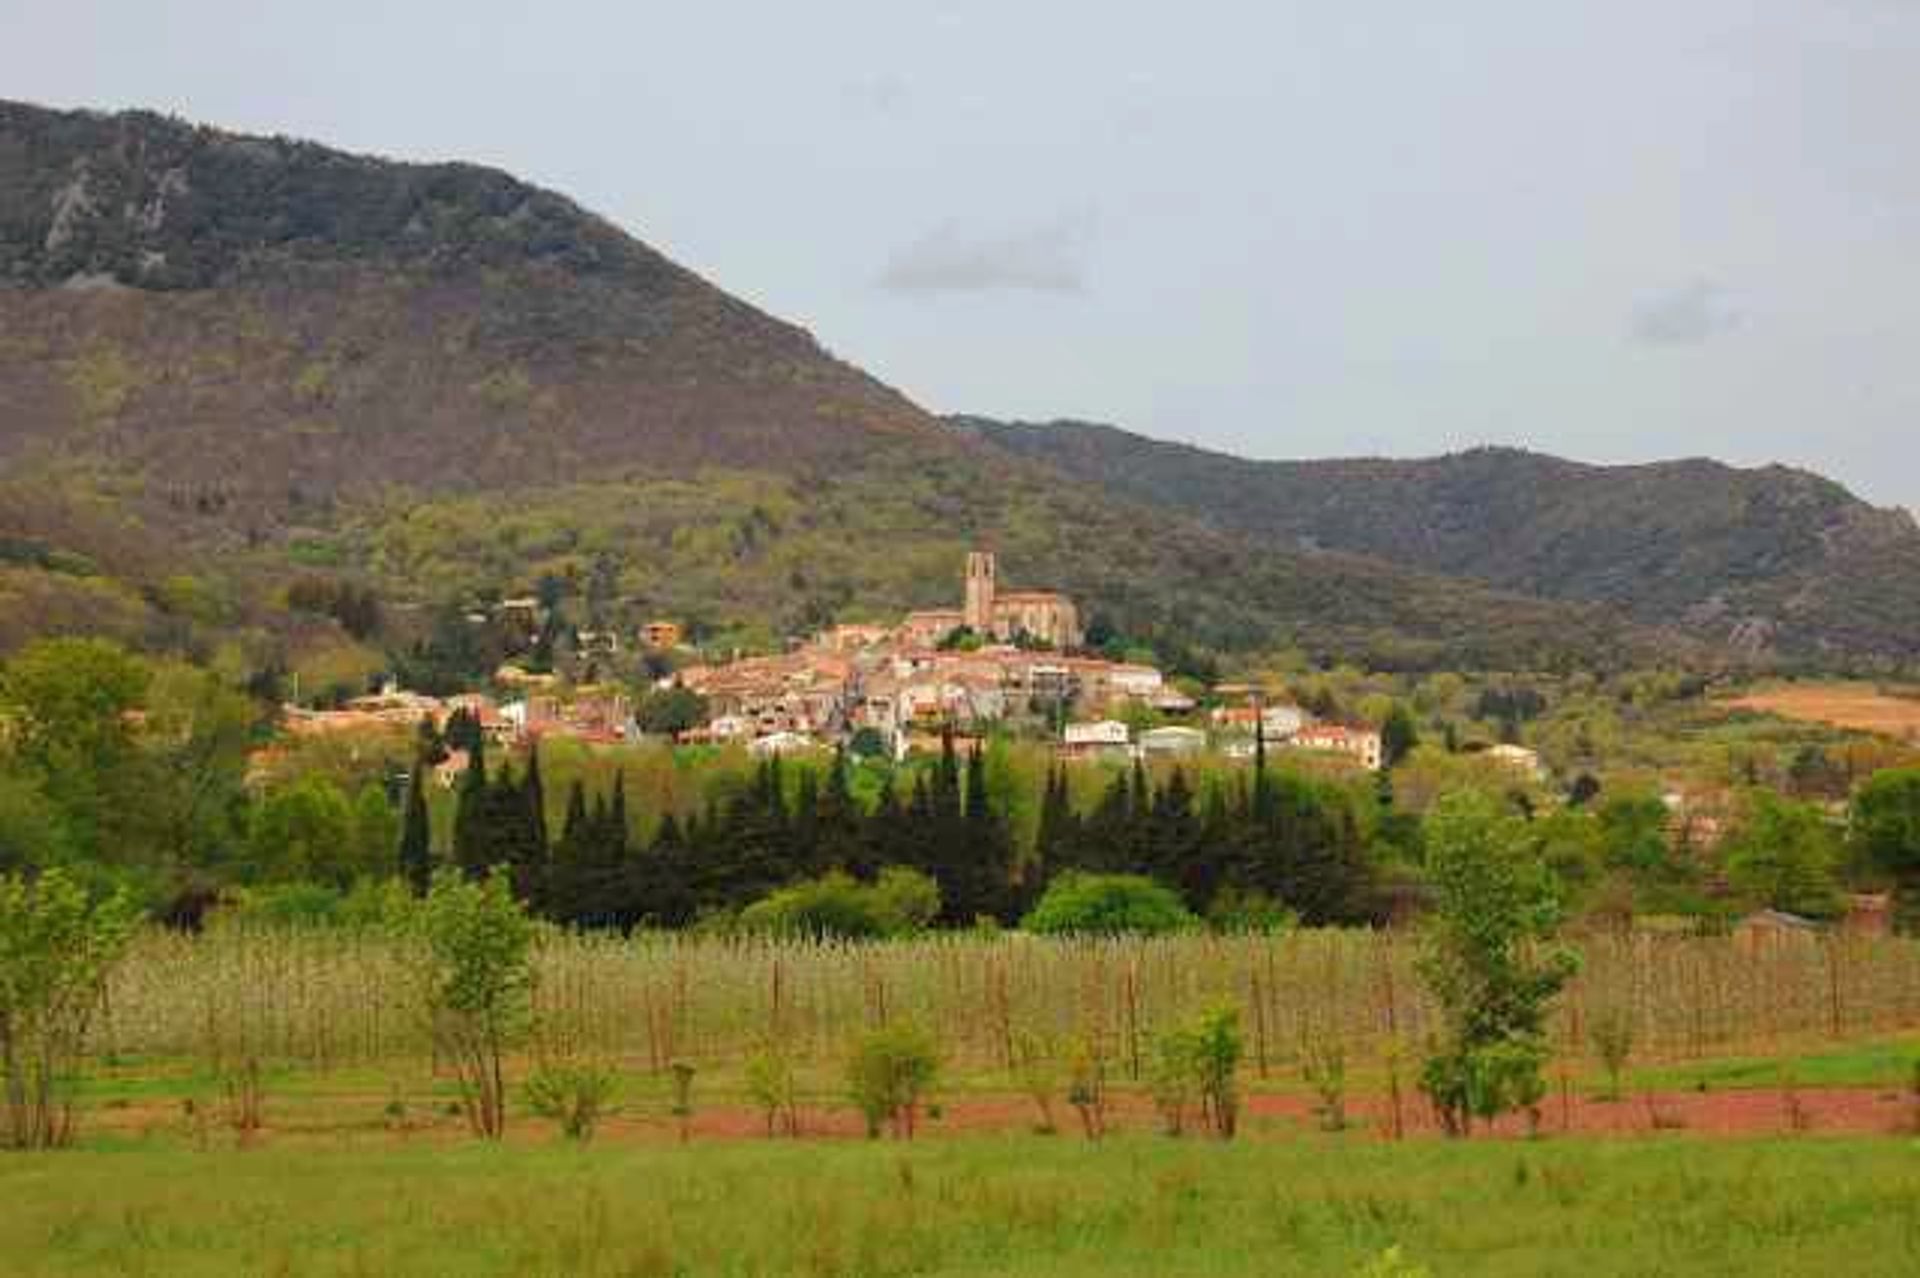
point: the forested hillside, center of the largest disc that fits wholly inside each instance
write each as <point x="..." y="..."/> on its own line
<point x="226" y="362"/>
<point x="1772" y="560"/>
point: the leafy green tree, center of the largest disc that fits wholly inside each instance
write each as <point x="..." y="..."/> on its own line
<point x="1399" y="736"/>
<point x="191" y="766"/>
<point x="1490" y="961"/>
<point x="1886" y="832"/>
<point x="1078" y="904"/>
<point x="57" y="949"/>
<point x="888" y="1073"/>
<point x="306" y="831"/>
<point x="1783" y="854"/>
<point x="1633" y="829"/>
<point x="70" y="706"/>
<point x="477" y="972"/>
<point x="376" y="831"/>
<point x="668" y="712"/>
<point x="32" y="836"/>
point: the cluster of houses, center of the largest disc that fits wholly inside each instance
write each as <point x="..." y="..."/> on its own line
<point x="1018" y="662"/>
<point x="1002" y="658"/>
<point x="851" y="679"/>
<point x="1236" y="731"/>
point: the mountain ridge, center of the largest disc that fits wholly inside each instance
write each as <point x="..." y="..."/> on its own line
<point x="228" y="361"/>
<point x="1763" y="556"/>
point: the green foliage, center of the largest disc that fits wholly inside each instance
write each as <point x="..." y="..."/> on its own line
<point x="306" y="832"/>
<point x="1398" y="736"/>
<point x="1611" y="1032"/>
<point x="1783" y="854"/>
<point x="57" y="949"/>
<point x="1490" y="962"/>
<point x="1886" y="832"/>
<point x="1392" y="1263"/>
<point x="1107" y="904"/>
<point x="1199" y="1062"/>
<point x="477" y="975"/>
<point x="888" y="1073"/>
<point x="573" y="1092"/>
<point x="901" y="903"/>
<point x="775" y="1091"/>
<point x="671" y="711"/>
<point x="32" y="836"/>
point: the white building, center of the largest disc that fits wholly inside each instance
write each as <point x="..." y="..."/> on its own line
<point x="1173" y="741"/>
<point x="1519" y="759"/>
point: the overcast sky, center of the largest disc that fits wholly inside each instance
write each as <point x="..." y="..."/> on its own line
<point x="1616" y="231"/>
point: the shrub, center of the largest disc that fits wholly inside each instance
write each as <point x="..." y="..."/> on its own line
<point x="1201" y="1061"/>
<point x="1036" y="1064"/>
<point x="839" y="906"/>
<point x="1107" y="905"/>
<point x="572" y="1092"/>
<point x="1612" y="1035"/>
<point x="1235" y="913"/>
<point x="889" y="1071"/>
<point x="1087" y="1087"/>
<point x="1324" y="1062"/>
<point x="770" y="1082"/>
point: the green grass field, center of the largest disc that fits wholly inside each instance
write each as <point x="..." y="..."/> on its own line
<point x="978" y="1205"/>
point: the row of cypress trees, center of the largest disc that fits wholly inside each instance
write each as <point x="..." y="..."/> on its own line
<point x="1289" y="840"/>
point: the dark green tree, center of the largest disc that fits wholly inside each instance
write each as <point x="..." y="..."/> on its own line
<point x="416" y="835"/>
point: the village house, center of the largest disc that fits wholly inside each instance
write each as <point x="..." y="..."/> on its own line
<point x="1362" y="745"/>
<point x="661" y="635"/>
<point x="1518" y="759"/>
<point x="1101" y="739"/>
<point x="1172" y="741"/>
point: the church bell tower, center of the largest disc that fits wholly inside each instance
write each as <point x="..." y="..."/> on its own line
<point x="979" y="610"/>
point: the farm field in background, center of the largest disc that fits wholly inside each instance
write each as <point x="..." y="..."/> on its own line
<point x="322" y="1000"/>
<point x="1862" y="707"/>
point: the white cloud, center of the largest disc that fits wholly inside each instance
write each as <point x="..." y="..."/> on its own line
<point x="1685" y="316"/>
<point x="954" y="260"/>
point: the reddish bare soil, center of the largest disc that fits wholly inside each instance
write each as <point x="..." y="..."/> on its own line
<point x="1859" y="706"/>
<point x="1756" y="1112"/>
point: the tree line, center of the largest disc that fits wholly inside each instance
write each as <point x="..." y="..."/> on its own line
<point x="1267" y="842"/>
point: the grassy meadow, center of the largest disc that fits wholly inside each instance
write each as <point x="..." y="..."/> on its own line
<point x="978" y="1205"/>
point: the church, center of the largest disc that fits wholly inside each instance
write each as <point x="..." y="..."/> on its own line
<point x="1042" y="616"/>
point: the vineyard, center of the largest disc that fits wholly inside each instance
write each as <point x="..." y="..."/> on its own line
<point x="320" y="1000"/>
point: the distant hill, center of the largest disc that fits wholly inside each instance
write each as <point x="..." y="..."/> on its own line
<point x="1772" y="560"/>
<point x="228" y="361"/>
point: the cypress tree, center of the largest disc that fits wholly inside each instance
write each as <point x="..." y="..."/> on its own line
<point x="1054" y="842"/>
<point x="416" y="835"/>
<point x="664" y="876"/>
<point x="1172" y="831"/>
<point x="470" y="814"/>
<point x="569" y="885"/>
<point x="803" y="841"/>
<point x="1107" y="832"/>
<point x="534" y="794"/>
<point x="838" y="818"/>
<point x="985" y="866"/>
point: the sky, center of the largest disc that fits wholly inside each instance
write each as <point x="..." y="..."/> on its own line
<point x="1618" y="232"/>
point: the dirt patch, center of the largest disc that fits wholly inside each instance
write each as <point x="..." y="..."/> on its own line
<point x="1859" y="706"/>
<point x="1743" y="1113"/>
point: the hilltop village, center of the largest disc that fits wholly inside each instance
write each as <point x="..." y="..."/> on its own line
<point x="1010" y="660"/>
